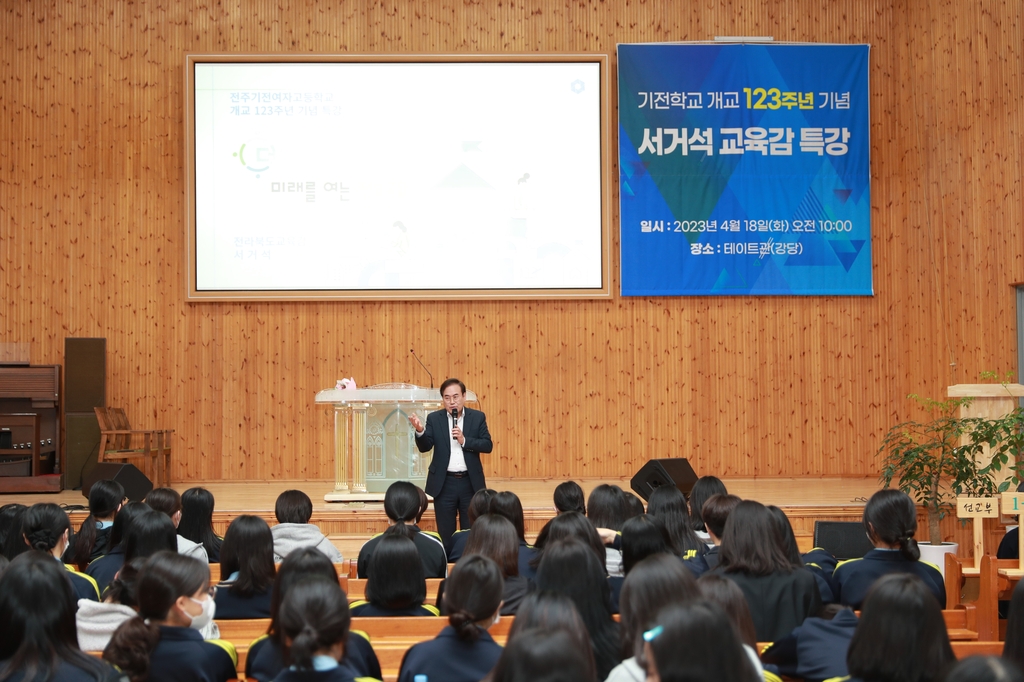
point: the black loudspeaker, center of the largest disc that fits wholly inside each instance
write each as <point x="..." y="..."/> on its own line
<point x="136" y="484"/>
<point x="659" y="472"/>
<point x="85" y="374"/>
<point x="842" y="539"/>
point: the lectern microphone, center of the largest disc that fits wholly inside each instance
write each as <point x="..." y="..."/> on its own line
<point x="424" y="367"/>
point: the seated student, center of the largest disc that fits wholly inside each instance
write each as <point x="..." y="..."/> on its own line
<point x="267" y="653"/>
<point x="668" y="504"/>
<point x="565" y="526"/>
<point x="569" y="497"/>
<point x="395" y="585"/>
<point x="815" y="650"/>
<point x="168" y="501"/>
<point x="507" y="504"/>
<point x="97" y="621"/>
<point x="37" y="619"/>
<point x="826" y="585"/>
<point x="634" y="506"/>
<point x="890" y="519"/>
<point x="1013" y="647"/>
<point x="553" y="612"/>
<point x="146" y="533"/>
<point x="696" y="642"/>
<point x="984" y="669"/>
<point x="246" y="569"/>
<point x="462" y="651"/>
<point x="651" y="585"/>
<point x="727" y="594"/>
<point x="105" y="499"/>
<point x="115" y="542"/>
<point x="542" y="656"/>
<point x="11" y="541"/>
<point x="197" y="521"/>
<point x="401" y="504"/>
<point x="570" y="567"/>
<point x="642" y="536"/>
<point x="901" y="636"/>
<point x="780" y="594"/>
<point x="46" y="527"/>
<point x="293" y="510"/>
<point x="479" y="505"/>
<point x="715" y="512"/>
<point x="163" y="643"/>
<point x="606" y="508"/>
<point x="496" y="539"/>
<point x="703" y="489"/>
<point x="315" y="622"/>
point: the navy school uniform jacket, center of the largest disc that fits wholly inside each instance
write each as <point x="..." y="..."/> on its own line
<point x="779" y="601"/>
<point x="1008" y="547"/>
<point x="856" y="576"/>
<point x="85" y="587"/>
<point x="448" y="658"/>
<point x="340" y="674"/>
<point x="615" y="591"/>
<point x="231" y="606"/>
<point x="266" y="660"/>
<point x="104" y="569"/>
<point x="69" y="672"/>
<point x="526" y="555"/>
<point x="182" y="655"/>
<point x="458" y="543"/>
<point x="432" y="554"/>
<point x="366" y="609"/>
<point x="815" y="650"/>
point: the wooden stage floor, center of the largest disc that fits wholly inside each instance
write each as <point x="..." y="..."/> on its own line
<point x="804" y="500"/>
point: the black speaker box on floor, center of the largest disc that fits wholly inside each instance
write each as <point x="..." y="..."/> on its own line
<point x="659" y="472"/>
<point x="136" y="484"/>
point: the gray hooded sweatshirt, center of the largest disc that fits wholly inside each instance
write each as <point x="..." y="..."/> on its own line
<point x="291" y="536"/>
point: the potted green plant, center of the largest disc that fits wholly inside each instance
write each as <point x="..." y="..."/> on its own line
<point x="936" y="460"/>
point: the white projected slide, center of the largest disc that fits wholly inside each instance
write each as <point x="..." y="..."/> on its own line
<point x="397" y="176"/>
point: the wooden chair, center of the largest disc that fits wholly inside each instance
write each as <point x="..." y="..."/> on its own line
<point x="119" y="442"/>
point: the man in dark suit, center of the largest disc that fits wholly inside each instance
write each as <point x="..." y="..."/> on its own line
<point x="455" y="470"/>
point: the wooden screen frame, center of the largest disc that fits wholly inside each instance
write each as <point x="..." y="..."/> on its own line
<point x="193" y="294"/>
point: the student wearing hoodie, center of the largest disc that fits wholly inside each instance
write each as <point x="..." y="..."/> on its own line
<point x="293" y="529"/>
<point x="96" y="621"/>
<point x="168" y="501"/>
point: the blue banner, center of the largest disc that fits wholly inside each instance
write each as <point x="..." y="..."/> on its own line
<point x="744" y="169"/>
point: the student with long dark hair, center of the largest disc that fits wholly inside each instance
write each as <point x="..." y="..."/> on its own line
<point x="495" y="538"/>
<point x="197" y="521"/>
<point x="651" y="585"/>
<point x="703" y="489"/>
<point x="542" y="656"/>
<point x="571" y="568"/>
<point x="826" y="585"/>
<point x="146" y="533"/>
<point x="46" y="528"/>
<point x="246" y="569"/>
<point x="105" y="499"/>
<point x="462" y="651"/>
<point x="901" y="636"/>
<point x="315" y="620"/>
<point x="97" y="621"/>
<point x="569" y="497"/>
<point x="479" y="505"/>
<point x="564" y="526"/>
<point x="105" y="567"/>
<point x="549" y="613"/>
<point x="727" y="594"/>
<point x="267" y="654"/>
<point x="37" y="625"/>
<point x="668" y="505"/>
<point x="715" y="513"/>
<point x="641" y="537"/>
<point x="402" y="505"/>
<point x="293" y="510"/>
<point x="984" y="669"/>
<point x="507" y="504"/>
<point x="1013" y="648"/>
<point x="553" y="611"/>
<point x="780" y="594"/>
<point x="890" y="519"/>
<point x="696" y="642"/>
<point x="607" y="508"/>
<point x="11" y="541"/>
<point x="163" y="643"/>
<point x="168" y="501"/>
<point x="395" y="584"/>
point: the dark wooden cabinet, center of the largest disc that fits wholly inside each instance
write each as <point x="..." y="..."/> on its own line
<point x="30" y="426"/>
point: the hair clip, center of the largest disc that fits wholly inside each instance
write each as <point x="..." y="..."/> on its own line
<point x="654" y="633"/>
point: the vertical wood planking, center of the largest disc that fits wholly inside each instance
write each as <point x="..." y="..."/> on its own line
<point x="91" y="244"/>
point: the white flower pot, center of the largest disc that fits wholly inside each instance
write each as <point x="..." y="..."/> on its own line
<point x="936" y="554"/>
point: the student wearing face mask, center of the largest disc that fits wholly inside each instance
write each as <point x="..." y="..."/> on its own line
<point x="163" y="643"/>
<point x="46" y="527"/>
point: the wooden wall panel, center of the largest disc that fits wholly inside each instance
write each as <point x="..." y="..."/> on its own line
<point x="92" y="244"/>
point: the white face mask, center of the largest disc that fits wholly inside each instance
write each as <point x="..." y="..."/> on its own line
<point x="206" y="617"/>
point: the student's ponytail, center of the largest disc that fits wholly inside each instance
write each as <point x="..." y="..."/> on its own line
<point x="891" y="517"/>
<point x="472" y="594"/>
<point x="131" y="646"/>
<point x="908" y="545"/>
<point x="43" y="525"/>
<point x="314" y="616"/>
<point x="105" y="498"/>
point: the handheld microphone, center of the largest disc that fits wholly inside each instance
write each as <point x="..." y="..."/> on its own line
<point x="455" y="421"/>
<point x="424" y="367"/>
